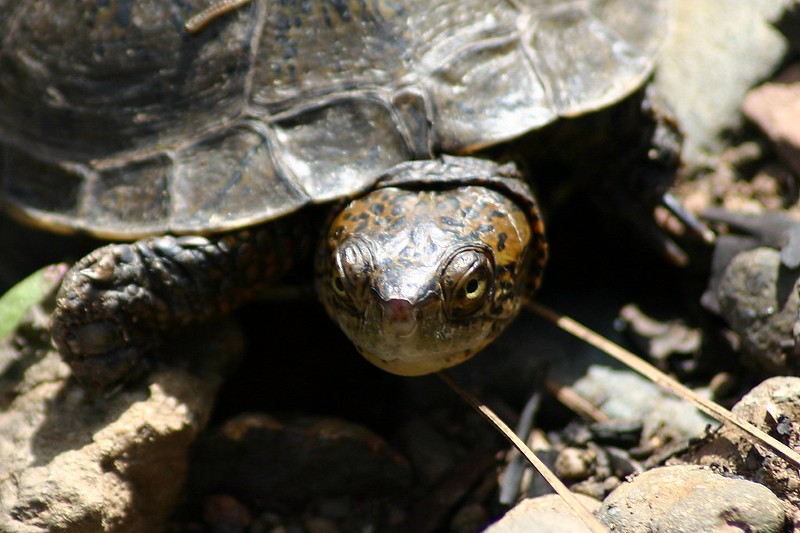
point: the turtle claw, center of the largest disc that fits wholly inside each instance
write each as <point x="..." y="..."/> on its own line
<point x="120" y="366"/>
<point x="89" y="339"/>
<point x="117" y="303"/>
<point x="94" y="325"/>
<point x="98" y="352"/>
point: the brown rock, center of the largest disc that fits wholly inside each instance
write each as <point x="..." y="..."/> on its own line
<point x="73" y="463"/>
<point x="544" y="514"/>
<point x="774" y="407"/>
<point x="275" y="462"/>
<point x="691" y="498"/>
<point x="575" y="464"/>
<point x="775" y="108"/>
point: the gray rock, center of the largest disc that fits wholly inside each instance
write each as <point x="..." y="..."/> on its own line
<point x="72" y="463"/>
<point x="716" y="51"/>
<point x="759" y="300"/>
<point x="545" y="514"/>
<point x="626" y="396"/>
<point x="690" y="498"/>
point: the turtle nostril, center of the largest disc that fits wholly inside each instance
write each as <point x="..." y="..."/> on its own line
<point x="399" y="317"/>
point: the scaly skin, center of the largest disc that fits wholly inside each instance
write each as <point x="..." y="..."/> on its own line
<point x="423" y="278"/>
<point x="115" y="303"/>
<point x="421" y="273"/>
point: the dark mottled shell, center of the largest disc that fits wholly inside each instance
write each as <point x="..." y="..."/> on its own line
<point x="117" y="121"/>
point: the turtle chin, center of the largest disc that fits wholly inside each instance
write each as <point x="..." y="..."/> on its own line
<point x="402" y="366"/>
<point x="424" y="352"/>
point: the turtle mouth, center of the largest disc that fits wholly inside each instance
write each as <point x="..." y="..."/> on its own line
<point x="407" y="345"/>
<point x="400" y="318"/>
<point x="415" y="335"/>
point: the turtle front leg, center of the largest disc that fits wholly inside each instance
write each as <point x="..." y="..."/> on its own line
<point x="116" y="303"/>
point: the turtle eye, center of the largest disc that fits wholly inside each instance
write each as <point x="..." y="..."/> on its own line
<point x="467" y="280"/>
<point x="351" y="275"/>
<point x="337" y="284"/>
<point x="475" y="287"/>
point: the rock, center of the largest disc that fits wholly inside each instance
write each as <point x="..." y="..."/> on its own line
<point x="775" y="108"/>
<point x="660" y="340"/>
<point x="691" y="498"/>
<point x="789" y="24"/>
<point x="774" y="407"/>
<point x="626" y="396"/>
<point x="575" y="464"/>
<point x="716" y="51"/>
<point x="544" y="514"/>
<point x="429" y="451"/>
<point x="471" y="517"/>
<point x="73" y="463"/>
<point x="274" y="463"/>
<point x="759" y="300"/>
<point x="225" y="513"/>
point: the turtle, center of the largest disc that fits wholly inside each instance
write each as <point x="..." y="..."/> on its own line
<point x="204" y="139"/>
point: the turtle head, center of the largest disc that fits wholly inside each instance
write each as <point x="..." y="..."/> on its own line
<point x="423" y="278"/>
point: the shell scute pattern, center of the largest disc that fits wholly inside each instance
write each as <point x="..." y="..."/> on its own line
<point x="134" y="127"/>
<point x="397" y="80"/>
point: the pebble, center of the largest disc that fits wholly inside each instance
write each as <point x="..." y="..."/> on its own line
<point x="692" y="499"/>
<point x="774" y="407"/>
<point x="223" y="512"/>
<point x="659" y="339"/>
<point x="759" y="299"/>
<point x="775" y="108"/>
<point x="626" y="396"/>
<point x="544" y="514"/>
<point x="575" y="464"/>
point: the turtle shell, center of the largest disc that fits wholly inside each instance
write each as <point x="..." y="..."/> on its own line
<point x="117" y="121"/>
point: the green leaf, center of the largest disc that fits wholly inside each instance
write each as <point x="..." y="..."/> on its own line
<point x="15" y="303"/>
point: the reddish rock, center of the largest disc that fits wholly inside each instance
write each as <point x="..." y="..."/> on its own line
<point x="775" y="108"/>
